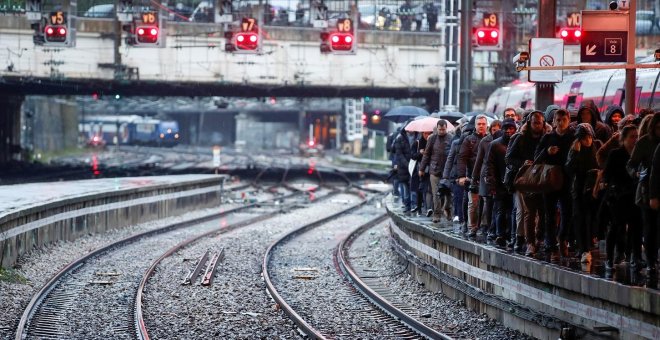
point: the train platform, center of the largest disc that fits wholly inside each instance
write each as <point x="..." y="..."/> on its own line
<point x="531" y="294"/>
<point x="36" y="214"/>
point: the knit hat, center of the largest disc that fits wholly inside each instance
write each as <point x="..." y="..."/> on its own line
<point x="508" y="122"/>
<point x="584" y="129"/>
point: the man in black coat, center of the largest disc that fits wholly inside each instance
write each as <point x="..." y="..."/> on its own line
<point x="495" y="167"/>
<point x="553" y="149"/>
<point x="435" y="157"/>
<point x="467" y="157"/>
<point x="528" y="206"/>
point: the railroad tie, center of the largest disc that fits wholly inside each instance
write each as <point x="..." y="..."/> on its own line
<point x="192" y="275"/>
<point x="210" y="269"/>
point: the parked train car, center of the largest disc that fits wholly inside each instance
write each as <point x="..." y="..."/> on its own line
<point x="129" y="130"/>
<point x="604" y="87"/>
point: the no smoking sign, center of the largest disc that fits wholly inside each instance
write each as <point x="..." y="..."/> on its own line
<point x="547" y="60"/>
<point x="546" y="52"/>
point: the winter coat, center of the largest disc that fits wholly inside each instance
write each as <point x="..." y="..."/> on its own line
<point x="564" y="142"/>
<point x="402" y="155"/>
<point x="615" y="175"/>
<point x="389" y="146"/>
<point x="602" y="132"/>
<point x="467" y="155"/>
<point x="611" y="110"/>
<point x="495" y="166"/>
<point x="479" y="168"/>
<point x="436" y="153"/>
<point x="603" y="153"/>
<point x="522" y="148"/>
<point x="654" y="181"/>
<point x="578" y="166"/>
<point x="450" y="165"/>
<point x="640" y="161"/>
<point x="417" y="152"/>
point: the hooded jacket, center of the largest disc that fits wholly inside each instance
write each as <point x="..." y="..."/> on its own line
<point x="611" y="110"/>
<point x="602" y="132"/>
<point x="522" y="148"/>
<point x="578" y="165"/>
<point x="641" y="160"/>
<point x="613" y="143"/>
<point x="495" y="166"/>
<point x="550" y="113"/>
<point x="402" y="155"/>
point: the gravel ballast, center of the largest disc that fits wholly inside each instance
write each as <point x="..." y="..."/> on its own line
<point x="371" y="253"/>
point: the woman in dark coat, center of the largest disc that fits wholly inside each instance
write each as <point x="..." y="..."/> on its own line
<point x="581" y="167"/>
<point x="420" y="185"/>
<point x="620" y="200"/>
<point x="402" y="157"/>
<point x="639" y="168"/>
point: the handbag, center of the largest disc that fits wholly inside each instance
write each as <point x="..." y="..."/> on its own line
<point x="539" y="178"/>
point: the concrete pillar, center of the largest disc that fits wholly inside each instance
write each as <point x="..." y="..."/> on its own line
<point x="10" y="127"/>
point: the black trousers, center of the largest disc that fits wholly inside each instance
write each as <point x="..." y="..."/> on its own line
<point x="650" y="219"/>
<point x="625" y="231"/>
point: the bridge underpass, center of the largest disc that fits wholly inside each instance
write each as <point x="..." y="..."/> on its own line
<point x="394" y="65"/>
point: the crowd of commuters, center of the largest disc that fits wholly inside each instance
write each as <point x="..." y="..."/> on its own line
<point x="610" y="189"/>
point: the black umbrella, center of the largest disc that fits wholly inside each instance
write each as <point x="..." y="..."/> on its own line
<point x="402" y="113"/>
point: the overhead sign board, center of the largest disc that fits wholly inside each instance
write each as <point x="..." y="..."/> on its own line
<point x="603" y="47"/>
<point x="546" y="52"/>
<point x="604" y="37"/>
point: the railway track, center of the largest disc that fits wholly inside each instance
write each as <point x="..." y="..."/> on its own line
<point x="141" y="325"/>
<point x="57" y="308"/>
<point x="307" y="283"/>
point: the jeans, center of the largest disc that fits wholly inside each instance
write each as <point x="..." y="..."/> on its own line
<point x="457" y="193"/>
<point x="404" y="192"/>
<point x="551" y="201"/>
<point x="503" y="211"/>
<point x="534" y="218"/>
<point x="473" y="207"/>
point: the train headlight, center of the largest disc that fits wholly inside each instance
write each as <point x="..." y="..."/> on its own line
<point x="162" y="135"/>
<point x="169" y="130"/>
<point x="176" y="135"/>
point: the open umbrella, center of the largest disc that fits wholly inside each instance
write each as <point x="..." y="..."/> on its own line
<point x="426" y="124"/>
<point x="402" y="113"/>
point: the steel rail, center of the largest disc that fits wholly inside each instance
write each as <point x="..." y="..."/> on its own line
<point x="38" y="298"/>
<point x="141" y="328"/>
<point x="304" y="326"/>
<point x="375" y="298"/>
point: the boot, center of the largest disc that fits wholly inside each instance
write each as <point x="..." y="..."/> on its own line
<point x="609" y="269"/>
<point x="520" y="244"/>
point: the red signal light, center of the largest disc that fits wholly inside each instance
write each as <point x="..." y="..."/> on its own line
<point x="571" y="35"/>
<point x="55" y="33"/>
<point x="147" y="34"/>
<point x="247" y="41"/>
<point x="311" y="143"/>
<point x="488" y="37"/>
<point x="341" y="42"/>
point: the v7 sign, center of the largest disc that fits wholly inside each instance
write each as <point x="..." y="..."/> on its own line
<point x="603" y="47"/>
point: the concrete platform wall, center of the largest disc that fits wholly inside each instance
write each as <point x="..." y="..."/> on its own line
<point x="70" y="219"/>
<point x="532" y="296"/>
